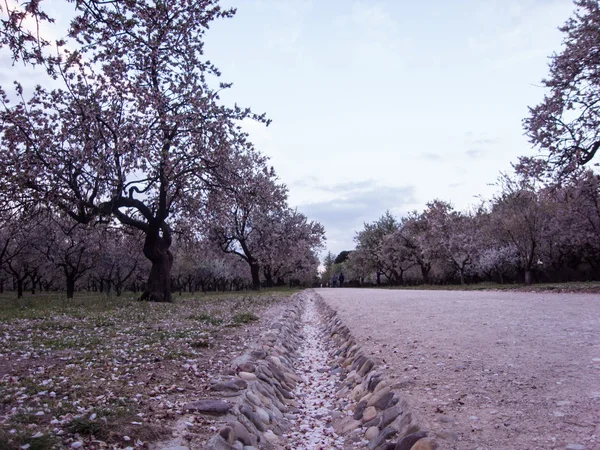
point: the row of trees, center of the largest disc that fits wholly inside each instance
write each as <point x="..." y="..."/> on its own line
<point x="530" y="231"/>
<point x="43" y="251"/>
<point x="126" y="138"/>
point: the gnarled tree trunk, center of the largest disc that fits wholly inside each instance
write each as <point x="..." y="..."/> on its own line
<point x="156" y="249"/>
<point x="255" y="271"/>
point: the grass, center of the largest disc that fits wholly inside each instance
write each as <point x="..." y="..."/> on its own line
<point x="244" y="318"/>
<point x="20" y="438"/>
<point x="113" y="357"/>
<point x="574" y="286"/>
<point x="206" y="318"/>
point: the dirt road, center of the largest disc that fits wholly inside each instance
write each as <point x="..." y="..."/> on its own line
<point x="487" y="370"/>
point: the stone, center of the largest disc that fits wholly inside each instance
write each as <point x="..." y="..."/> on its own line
<point x="358" y="362"/>
<point x="367" y="397"/>
<point x="253" y="417"/>
<point x="373" y="423"/>
<point x="359" y="410"/>
<point x="218" y="443"/>
<point x="407" y="442"/>
<point x="229" y="385"/>
<point x="258" y="354"/>
<point x="373" y="382"/>
<point x="263" y="415"/>
<point x="356" y="393"/>
<point x="350" y="426"/>
<point x="228" y="434"/>
<point x="276" y="413"/>
<point x="247" y="376"/>
<point x="366" y="367"/>
<point x="371" y="432"/>
<point x="369" y="414"/>
<point x="208" y="406"/>
<point x="241" y="433"/>
<point x="575" y="447"/>
<point x="253" y="398"/>
<point x="379" y="395"/>
<point x="286" y="394"/>
<point x="246" y="367"/>
<point x="424" y="444"/>
<point x="390" y="414"/>
<point x="402" y="423"/>
<point x="381" y="385"/>
<point x="271" y="437"/>
<point x="383" y="436"/>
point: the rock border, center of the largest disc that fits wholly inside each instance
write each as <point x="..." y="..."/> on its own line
<point x="261" y="407"/>
<point x="380" y="418"/>
<point x="259" y="388"/>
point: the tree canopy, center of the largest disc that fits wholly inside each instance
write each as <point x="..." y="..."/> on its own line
<point x="566" y="124"/>
<point x="134" y="131"/>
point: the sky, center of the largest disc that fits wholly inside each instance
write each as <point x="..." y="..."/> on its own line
<point x="383" y="104"/>
<point x="390" y="104"/>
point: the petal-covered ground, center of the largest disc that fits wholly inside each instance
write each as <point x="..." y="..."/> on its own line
<point x="98" y="372"/>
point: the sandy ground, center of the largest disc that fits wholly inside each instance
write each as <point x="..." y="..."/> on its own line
<point x="487" y="370"/>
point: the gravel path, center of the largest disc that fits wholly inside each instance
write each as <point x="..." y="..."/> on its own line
<point x="487" y="370"/>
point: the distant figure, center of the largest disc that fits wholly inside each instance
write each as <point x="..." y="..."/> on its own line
<point x="334" y="280"/>
<point x="341" y="278"/>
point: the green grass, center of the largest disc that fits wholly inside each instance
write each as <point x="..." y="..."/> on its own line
<point x="243" y="318"/>
<point x="15" y="441"/>
<point x="206" y="318"/>
<point x="74" y="338"/>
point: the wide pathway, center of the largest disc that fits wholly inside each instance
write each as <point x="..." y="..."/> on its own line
<point x="487" y="370"/>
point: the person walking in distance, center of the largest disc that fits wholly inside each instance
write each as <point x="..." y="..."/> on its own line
<point x="341" y="279"/>
<point x="334" y="280"/>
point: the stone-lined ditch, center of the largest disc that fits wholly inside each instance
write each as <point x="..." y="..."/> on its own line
<point x="307" y="385"/>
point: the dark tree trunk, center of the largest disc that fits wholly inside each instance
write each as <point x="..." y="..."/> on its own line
<point x="156" y="249"/>
<point x="255" y="271"/>
<point x="70" y="286"/>
<point x="528" y="277"/>
<point x="425" y="268"/>
<point x="268" y="278"/>
<point x="19" y="288"/>
<point x="378" y="278"/>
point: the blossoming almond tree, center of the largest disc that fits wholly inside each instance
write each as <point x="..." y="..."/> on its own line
<point x="566" y="124"/>
<point x="240" y="217"/>
<point x="135" y="132"/>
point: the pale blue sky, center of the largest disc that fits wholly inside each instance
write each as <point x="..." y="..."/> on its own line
<point x="387" y="104"/>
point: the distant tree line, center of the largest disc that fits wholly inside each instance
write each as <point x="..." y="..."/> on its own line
<point x="531" y="231"/>
<point x="43" y="251"/>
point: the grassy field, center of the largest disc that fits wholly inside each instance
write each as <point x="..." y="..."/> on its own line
<point x="113" y="372"/>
